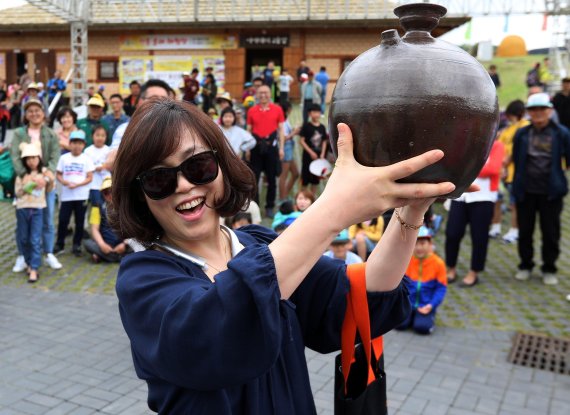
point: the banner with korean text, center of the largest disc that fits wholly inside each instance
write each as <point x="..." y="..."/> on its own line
<point x="177" y="42"/>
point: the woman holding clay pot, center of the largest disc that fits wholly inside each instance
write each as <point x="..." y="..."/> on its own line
<point x="218" y="319"/>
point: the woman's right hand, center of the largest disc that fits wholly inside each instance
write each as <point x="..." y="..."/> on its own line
<point x="357" y="193"/>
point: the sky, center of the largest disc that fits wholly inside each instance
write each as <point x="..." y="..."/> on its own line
<point x="484" y="28"/>
<point x="495" y="28"/>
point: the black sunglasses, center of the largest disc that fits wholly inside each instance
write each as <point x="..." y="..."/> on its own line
<point x="201" y="168"/>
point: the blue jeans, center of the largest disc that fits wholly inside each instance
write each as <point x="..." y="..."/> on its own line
<point x="48" y="231"/>
<point x="323" y="96"/>
<point x="288" y="150"/>
<point x="29" y="230"/>
<point x="421" y="323"/>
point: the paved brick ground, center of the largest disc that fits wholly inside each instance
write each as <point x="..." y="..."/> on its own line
<point x="66" y="353"/>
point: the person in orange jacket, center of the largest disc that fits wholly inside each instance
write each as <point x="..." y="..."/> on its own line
<point x="427" y="285"/>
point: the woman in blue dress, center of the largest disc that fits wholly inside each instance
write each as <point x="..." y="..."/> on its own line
<point x="218" y="319"/>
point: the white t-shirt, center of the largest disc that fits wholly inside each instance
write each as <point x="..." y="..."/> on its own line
<point x="74" y="170"/>
<point x="98" y="157"/>
<point x="118" y="135"/>
<point x="285" y="82"/>
<point x="351" y="257"/>
<point x="240" y="140"/>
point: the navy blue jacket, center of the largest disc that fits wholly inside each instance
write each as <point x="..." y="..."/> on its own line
<point x="233" y="347"/>
<point x="558" y="185"/>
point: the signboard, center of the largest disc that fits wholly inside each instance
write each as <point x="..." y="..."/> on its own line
<point x="264" y="41"/>
<point x="176" y="42"/>
<point x="133" y="68"/>
<point x="167" y="68"/>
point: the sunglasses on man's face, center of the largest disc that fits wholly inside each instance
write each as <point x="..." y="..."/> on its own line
<point x="199" y="169"/>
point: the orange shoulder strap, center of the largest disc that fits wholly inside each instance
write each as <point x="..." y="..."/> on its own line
<point x="357" y="317"/>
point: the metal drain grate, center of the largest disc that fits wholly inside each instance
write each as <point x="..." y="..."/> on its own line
<point x="541" y="352"/>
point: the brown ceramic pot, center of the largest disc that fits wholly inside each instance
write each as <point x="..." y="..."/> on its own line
<point x="413" y="94"/>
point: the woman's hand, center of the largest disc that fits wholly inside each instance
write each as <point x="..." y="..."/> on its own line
<point x="360" y="193"/>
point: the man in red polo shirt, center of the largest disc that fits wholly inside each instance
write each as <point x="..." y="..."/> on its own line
<point x="265" y="121"/>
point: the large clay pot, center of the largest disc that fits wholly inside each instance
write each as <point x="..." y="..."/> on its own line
<point x="413" y="94"/>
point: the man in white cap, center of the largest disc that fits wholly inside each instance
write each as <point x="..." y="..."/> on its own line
<point x="94" y="117"/>
<point x="539" y="185"/>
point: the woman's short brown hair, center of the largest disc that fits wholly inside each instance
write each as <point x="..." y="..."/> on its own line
<point x="66" y="110"/>
<point x="153" y="134"/>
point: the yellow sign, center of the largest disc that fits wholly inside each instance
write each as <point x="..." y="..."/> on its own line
<point x="174" y="42"/>
<point x="133" y="68"/>
<point x="167" y="68"/>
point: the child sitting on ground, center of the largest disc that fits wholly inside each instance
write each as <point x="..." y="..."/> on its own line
<point x="285" y="217"/>
<point x="105" y="244"/>
<point x="427" y="285"/>
<point x="340" y="249"/>
<point x="240" y="219"/>
<point x="303" y="199"/>
<point x="365" y="236"/>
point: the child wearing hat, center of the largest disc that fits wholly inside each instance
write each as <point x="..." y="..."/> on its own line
<point x="340" y="249"/>
<point x="427" y="285"/>
<point x="74" y="172"/>
<point x="105" y="245"/>
<point x="30" y="205"/>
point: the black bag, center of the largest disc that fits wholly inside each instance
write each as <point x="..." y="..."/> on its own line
<point x="364" y="392"/>
<point x="360" y="398"/>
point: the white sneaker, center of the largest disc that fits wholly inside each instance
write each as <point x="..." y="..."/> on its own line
<point x="495" y="231"/>
<point x="549" y="278"/>
<point x="20" y="264"/>
<point x="52" y="261"/>
<point x="511" y="236"/>
<point x="522" y="274"/>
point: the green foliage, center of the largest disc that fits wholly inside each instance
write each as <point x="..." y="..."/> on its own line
<point x="512" y="72"/>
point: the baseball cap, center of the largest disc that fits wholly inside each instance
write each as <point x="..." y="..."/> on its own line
<point x="33" y="85"/>
<point x="96" y="101"/>
<point x="539" y="100"/>
<point x="342" y="237"/>
<point x="424" y="233"/>
<point x="31" y="102"/>
<point x="77" y="135"/>
<point x="107" y="183"/>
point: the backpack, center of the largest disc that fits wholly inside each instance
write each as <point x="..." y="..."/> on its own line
<point x="532" y="78"/>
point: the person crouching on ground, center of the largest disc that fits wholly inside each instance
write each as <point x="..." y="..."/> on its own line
<point x="104" y="243"/>
<point x="340" y="249"/>
<point x="427" y="285"/>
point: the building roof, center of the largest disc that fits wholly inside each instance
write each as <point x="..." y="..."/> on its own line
<point x="233" y="13"/>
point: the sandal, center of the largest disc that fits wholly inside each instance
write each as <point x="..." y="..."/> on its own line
<point x="34" y="280"/>
<point x="451" y="276"/>
<point x="470" y="284"/>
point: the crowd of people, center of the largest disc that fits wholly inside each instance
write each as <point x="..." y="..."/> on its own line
<point x="69" y="168"/>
